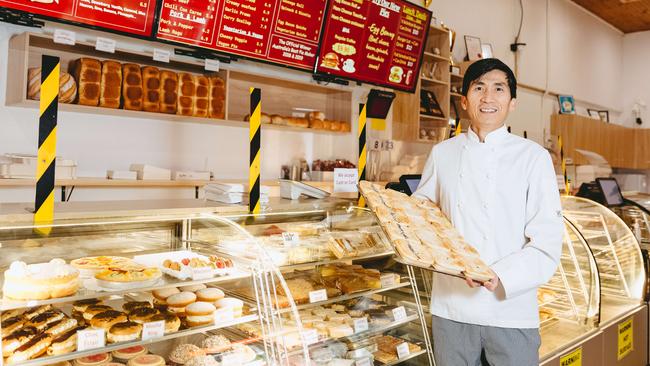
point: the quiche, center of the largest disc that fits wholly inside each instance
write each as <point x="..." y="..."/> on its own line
<point x="102" y="262"/>
<point x="114" y="274"/>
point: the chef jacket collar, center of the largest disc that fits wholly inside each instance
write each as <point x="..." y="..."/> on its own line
<point x="493" y="138"/>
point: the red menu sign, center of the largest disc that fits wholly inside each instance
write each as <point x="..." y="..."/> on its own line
<point x="133" y="17"/>
<point x="280" y="31"/>
<point x="374" y="41"/>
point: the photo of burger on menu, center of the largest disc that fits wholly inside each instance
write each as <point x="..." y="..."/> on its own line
<point x="330" y="61"/>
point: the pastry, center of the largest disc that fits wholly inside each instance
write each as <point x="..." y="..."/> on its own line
<point x="132" y="92"/>
<point x="186" y="94"/>
<point x="111" y="84"/>
<point x="93" y="310"/>
<point x="67" y="86"/>
<point x="172" y="322"/>
<point x="161" y="295"/>
<point x="32" y="349"/>
<point x="346" y="127"/>
<point x="178" y="302"/>
<point x="132" y="305"/>
<point x="193" y="288"/>
<point x="32" y="312"/>
<point x="61" y="326"/>
<point x="316" y="124"/>
<point x="265" y="119"/>
<point x="128" y="275"/>
<point x="11" y="325"/>
<point x="91" y="265"/>
<point x="11" y="313"/>
<point x="278" y="120"/>
<point x="16" y="339"/>
<point x="327" y="124"/>
<point x="297" y="122"/>
<point x="41" y="321"/>
<point x="546" y="314"/>
<point x="335" y="126"/>
<point x="233" y="304"/>
<point x="316" y="116"/>
<point x="143" y="314"/>
<point x="168" y="92"/>
<point x="81" y="305"/>
<point x="87" y="73"/>
<point x="107" y="319"/>
<point x="203" y="361"/>
<point x="199" y="313"/>
<point x="124" y="332"/>
<point x="64" y="343"/>
<point x="94" y="360"/>
<point x="147" y="360"/>
<point x="130" y="352"/>
<point x="151" y="88"/>
<point x="215" y="344"/>
<point x="201" y="98"/>
<point x="184" y="352"/>
<point x="339" y="331"/>
<point x="217" y="101"/>
<point x="543" y="296"/>
<point x="209" y="294"/>
<point x="40" y="281"/>
<point x="114" y="364"/>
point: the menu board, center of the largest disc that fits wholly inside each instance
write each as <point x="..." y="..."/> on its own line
<point x="126" y="16"/>
<point x="375" y="41"/>
<point x="279" y="31"/>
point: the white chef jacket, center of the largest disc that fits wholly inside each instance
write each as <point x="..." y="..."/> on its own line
<point x="503" y="197"/>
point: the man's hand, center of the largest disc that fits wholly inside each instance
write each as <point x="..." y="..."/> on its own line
<point x="490" y="285"/>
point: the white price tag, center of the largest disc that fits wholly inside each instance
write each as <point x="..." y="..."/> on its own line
<point x="202" y="273"/>
<point x="63" y="36"/>
<point x="105" y="45"/>
<point x="360" y="325"/>
<point x="387" y="280"/>
<point x="318" y="295"/>
<point x="90" y="339"/>
<point x="403" y="350"/>
<point x="212" y="65"/>
<point x="310" y="336"/>
<point x="152" y="330"/>
<point x="363" y="362"/>
<point x="290" y="239"/>
<point x="161" y="55"/>
<point x="399" y="313"/>
<point x="223" y="315"/>
<point x="345" y="180"/>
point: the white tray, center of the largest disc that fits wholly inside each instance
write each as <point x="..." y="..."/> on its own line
<point x="186" y="272"/>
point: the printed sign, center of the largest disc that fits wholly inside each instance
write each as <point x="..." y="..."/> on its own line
<point x="399" y="313"/>
<point x="345" y="180"/>
<point x="90" y="339"/>
<point x="317" y="296"/>
<point x="62" y="36"/>
<point x="572" y="359"/>
<point x="152" y="330"/>
<point x="625" y="338"/>
<point x="105" y="45"/>
<point x="360" y="325"/>
<point x="403" y="350"/>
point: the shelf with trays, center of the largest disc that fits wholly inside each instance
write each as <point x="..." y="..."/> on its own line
<point x="426" y="80"/>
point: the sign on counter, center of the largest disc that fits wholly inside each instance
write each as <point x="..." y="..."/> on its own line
<point x="345" y="180"/>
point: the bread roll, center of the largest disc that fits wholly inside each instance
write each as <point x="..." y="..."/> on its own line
<point x="132" y="88"/>
<point x="278" y="120"/>
<point x="111" y="86"/>
<point x="298" y="122"/>
<point x="327" y="124"/>
<point x="265" y="119"/>
<point x="315" y="116"/>
<point x="151" y="88"/>
<point x="67" y="86"/>
<point x="169" y="92"/>
<point x="346" y="127"/>
<point x="186" y="94"/>
<point x="335" y="126"/>
<point x="217" y="97"/>
<point x="87" y="73"/>
<point x="316" y="124"/>
<point x="201" y="98"/>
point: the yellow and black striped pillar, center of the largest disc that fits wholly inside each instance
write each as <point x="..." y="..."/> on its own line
<point x="44" y="204"/>
<point x="563" y="163"/>
<point x="255" y="138"/>
<point x="363" y="148"/>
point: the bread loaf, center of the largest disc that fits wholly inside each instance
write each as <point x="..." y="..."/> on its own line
<point x="132" y="88"/>
<point x="335" y="126"/>
<point x="151" y="88"/>
<point x="278" y="120"/>
<point x="217" y="97"/>
<point x="327" y="124"/>
<point x="346" y="127"/>
<point x="297" y="122"/>
<point x="111" y="85"/>
<point x="67" y="86"/>
<point x="315" y="116"/>
<point x="265" y="119"/>
<point x="186" y="94"/>
<point x="316" y="124"/>
<point x="201" y="98"/>
<point x="169" y="91"/>
<point x="87" y="73"/>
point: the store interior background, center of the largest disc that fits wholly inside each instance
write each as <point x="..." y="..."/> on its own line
<point x="569" y="51"/>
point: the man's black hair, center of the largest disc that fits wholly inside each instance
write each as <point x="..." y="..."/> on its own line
<point x="482" y="67"/>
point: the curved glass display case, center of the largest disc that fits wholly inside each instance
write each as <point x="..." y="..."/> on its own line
<point x="617" y="254"/>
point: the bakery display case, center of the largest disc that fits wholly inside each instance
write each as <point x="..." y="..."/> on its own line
<point x="132" y="290"/>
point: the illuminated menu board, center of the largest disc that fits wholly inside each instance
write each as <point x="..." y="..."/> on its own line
<point x="280" y="31"/>
<point x="127" y="16"/>
<point x="374" y="41"/>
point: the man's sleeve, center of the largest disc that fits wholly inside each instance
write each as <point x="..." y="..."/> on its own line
<point x="427" y="189"/>
<point x="535" y="263"/>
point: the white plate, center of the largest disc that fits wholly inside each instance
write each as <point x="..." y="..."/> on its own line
<point x="101" y="285"/>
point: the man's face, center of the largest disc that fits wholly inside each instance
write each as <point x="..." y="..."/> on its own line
<point x="488" y="100"/>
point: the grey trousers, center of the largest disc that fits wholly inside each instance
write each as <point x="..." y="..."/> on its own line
<point x="460" y="344"/>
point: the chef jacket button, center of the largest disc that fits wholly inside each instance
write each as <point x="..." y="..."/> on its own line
<point x="485" y="237"/>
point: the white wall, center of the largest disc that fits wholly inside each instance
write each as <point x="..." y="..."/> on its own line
<point x="636" y="76"/>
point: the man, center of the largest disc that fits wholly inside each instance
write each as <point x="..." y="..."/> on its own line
<point x="500" y="192"/>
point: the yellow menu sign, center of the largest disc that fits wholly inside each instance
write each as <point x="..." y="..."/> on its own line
<point x="625" y="338"/>
<point x="572" y="359"/>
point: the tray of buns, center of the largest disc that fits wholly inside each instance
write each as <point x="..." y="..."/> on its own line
<point x="186" y="264"/>
<point x="422" y="235"/>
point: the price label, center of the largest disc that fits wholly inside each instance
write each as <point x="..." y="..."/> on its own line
<point x="202" y="273"/>
<point x="318" y="295"/>
<point x="360" y="325"/>
<point x="387" y="280"/>
<point x="105" y="45"/>
<point x="62" y="36"/>
<point x="345" y="180"/>
<point x="363" y="362"/>
<point x="310" y="337"/>
<point x="223" y="315"/>
<point x="152" y="330"/>
<point x="212" y="65"/>
<point x="90" y="339"/>
<point x="161" y="55"/>
<point x="399" y="313"/>
<point x="290" y="239"/>
<point x="403" y="350"/>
